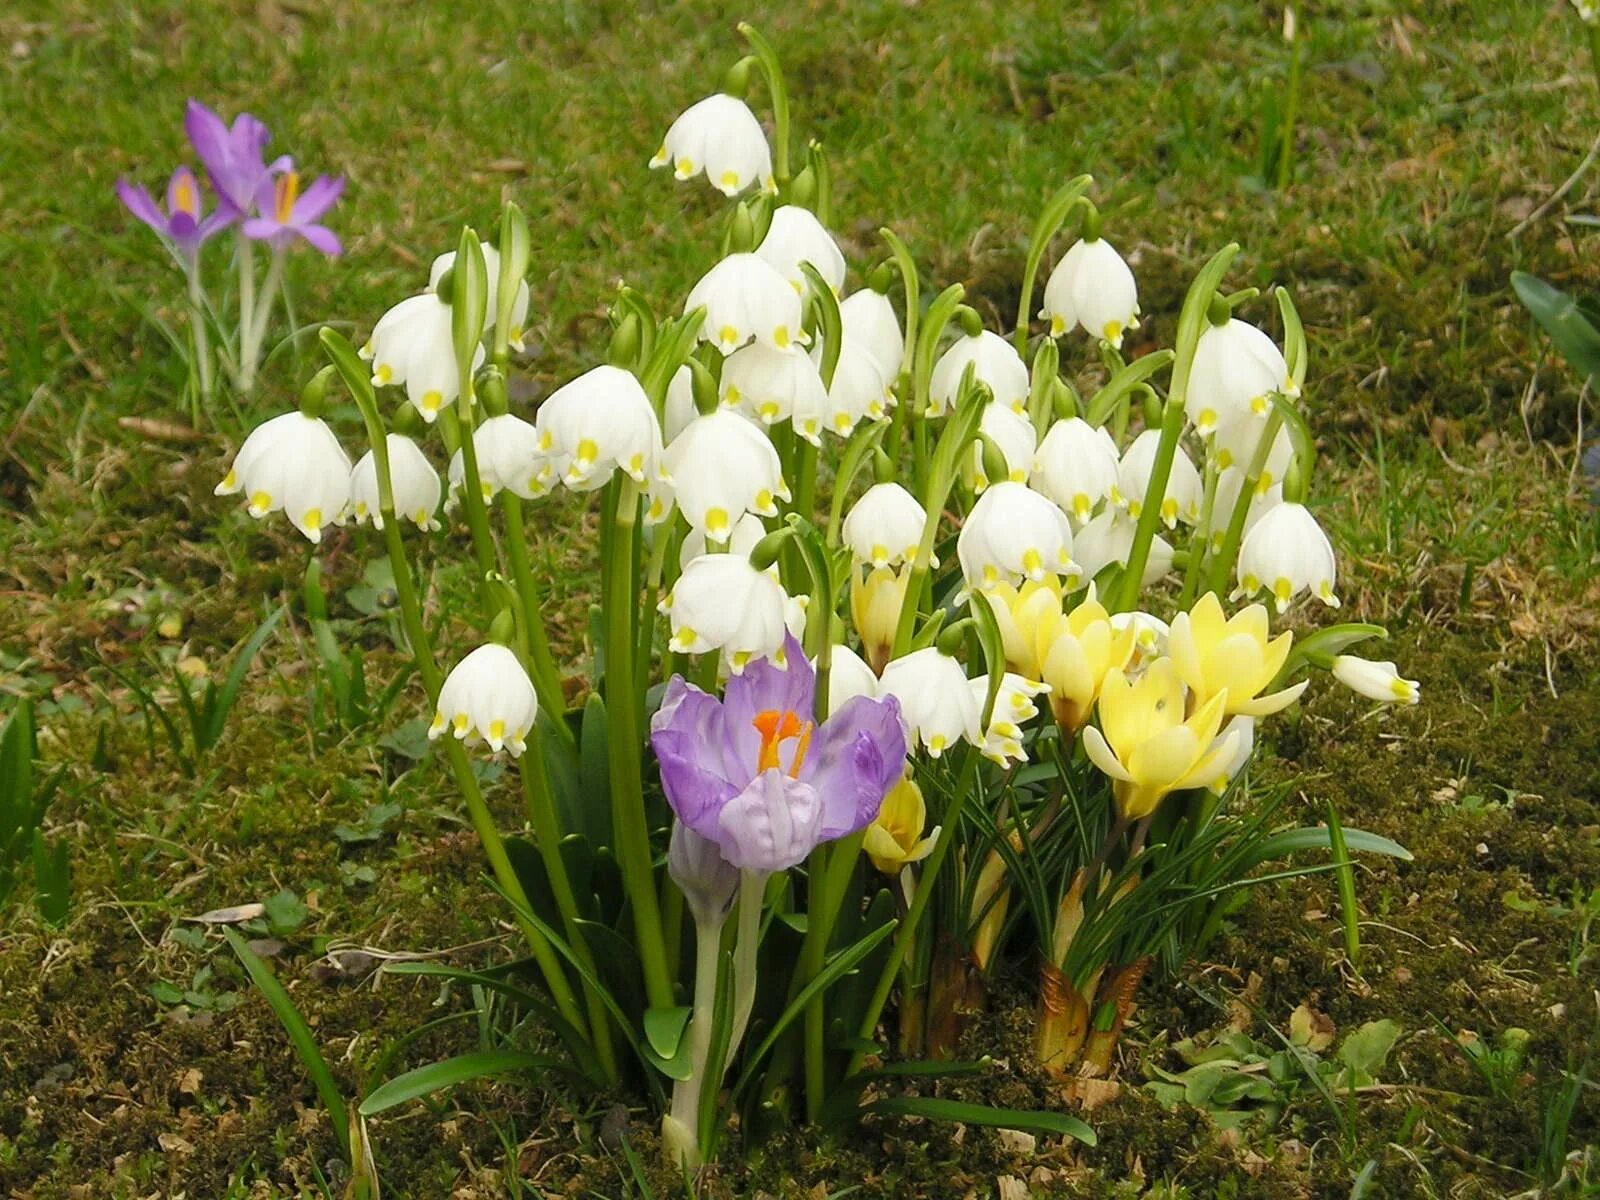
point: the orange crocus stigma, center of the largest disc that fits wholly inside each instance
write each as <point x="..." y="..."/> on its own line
<point x="287" y="191"/>
<point x="184" y="196"/>
<point x="776" y="728"/>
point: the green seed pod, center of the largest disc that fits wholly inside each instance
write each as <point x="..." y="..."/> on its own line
<point x="314" y="396"/>
<point x="492" y="393"/>
<point x="503" y="629"/>
<point x="625" y="342"/>
<point x="969" y="320"/>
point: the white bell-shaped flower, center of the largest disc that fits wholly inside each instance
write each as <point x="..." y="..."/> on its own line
<point x="1184" y="489"/>
<point x="1236" y="439"/>
<point x="722" y="466"/>
<point x="795" y="236"/>
<point x="770" y="385"/>
<point x="1241" y="732"/>
<point x="994" y="361"/>
<point x="860" y="392"/>
<point x="487" y="698"/>
<point x="848" y="677"/>
<point x="1013" y="434"/>
<point x="413" y="344"/>
<point x="1236" y="369"/>
<point x="509" y="456"/>
<point x="1229" y="483"/>
<point x="1150" y="635"/>
<point x="1092" y="287"/>
<point x="491" y="263"/>
<point x="747" y="531"/>
<point x="1014" y="707"/>
<point x="1076" y="466"/>
<point x="1108" y="538"/>
<point x="721" y="602"/>
<point x="884" y="527"/>
<point x="412" y="480"/>
<point x="720" y="136"/>
<point x="745" y="297"/>
<point x="1287" y="553"/>
<point x="936" y="701"/>
<point x="294" y="465"/>
<point x="599" y="422"/>
<point x="1014" y="533"/>
<point x="1378" y="681"/>
<point x="679" y="409"/>
<point x="869" y="318"/>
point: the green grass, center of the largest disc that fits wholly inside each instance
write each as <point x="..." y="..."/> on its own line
<point x="1425" y="133"/>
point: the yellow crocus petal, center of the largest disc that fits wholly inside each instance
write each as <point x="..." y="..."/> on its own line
<point x="1236" y="664"/>
<point x="1186" y="656"/>
<point x="1208" y="719"/>
<point x="1159" y="763"/>
<point x="1206" y="619"/>
<point x="1277" y="654"/>
<point x="1208" y="768"/>
<point x="1265" y="706"/>
<point x="882" y="849"/>
<point x="1094" y="744"/>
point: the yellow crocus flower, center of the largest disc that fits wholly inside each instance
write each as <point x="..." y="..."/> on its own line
<point x="1074" y="651"/>
<point x="895" y="839"/>
<point x="875" y="601"/>
<point x="1145" y="745"/>
<point x="1216" y="655"/>
<point x="1018" y="611"/>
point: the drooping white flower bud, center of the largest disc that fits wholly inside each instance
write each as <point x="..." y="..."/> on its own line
<point x="884" y="527"/>
<point x="995" y="363"/>
<point x="413" y="344"/>
<point x="795" y="236"/>
<point x="1378" y="681"/>
<point x="770" y="385"/>
<point x="292" y="464"/>
<point x="745" y="297"/>
<point x="1287" y="553"/>
<point x="720" y="136"/>
<point x="1092" y="287"/>
<point x="491" y="264"/>
<point x="722" y="466"/>
<point x="721" y="602"/>
<point x="1013" y="533"/>
<point x="1076" y="466"/>
<point x="1013" y="435"/>
<point x="600" y="422"/>
<point x="936" y="702"/>
<point x="412" y="480"/>
<point x="488" y="698"/>
<point x="1236" y="369"/>
<point x="1184" y="490"/>
<point x="509" y="456"/>
<point x="869" y="318"/>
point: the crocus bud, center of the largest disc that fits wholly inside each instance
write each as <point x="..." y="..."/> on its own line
<point x="1378" y="681"/>
<point x="894" y="840"/>
<point x="708" y="881"/>
<point x="875" y="602"/>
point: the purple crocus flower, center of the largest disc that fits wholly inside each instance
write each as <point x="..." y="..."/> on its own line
<point x="752" y="772"/>
<point x="233" y="158"/>
<point x="182" y="223"/>
<point x="287" y="213"/>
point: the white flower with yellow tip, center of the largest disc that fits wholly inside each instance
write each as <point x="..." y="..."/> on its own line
<point x="747" y="531"/>
<point x="1181" y="501"/>
<point x="1092" y="287"/>
<point x="487" y="698"/>
<point x="869" y="318"/>
<point x="1014" y="707"/>
<point x="770" y="385"/>
<point x="1378" y="681"/>
<point x="1013" y="533"/>
<point x="795" y="236"/>
<point x="848" y="677"/>
<point x="1215" y="654"/>
<point x="745" y="297"/>
<point x="721" y="137"/>
<point x="721" y="602"/>
<point x="491" y="263"/>
<point x="509" y="457"/>
<point x="413" y="345"/>
<point x="1075" y="651"/>
<point x="1076" y="466"/>
<point x="600" y="422"/>
<point x="884" y="526"/>
<point x="294" y="465"/>
<point x="876" y="598"/>
<point x="1236" y="440"/>
<point x="412" y="481"/>
<point x="935" y="700"/>
<point x="1588" y="11"/>
<point x="1146" y="746"/>
<point x="1013" y="435"/>
<point x="860" y="391"/>
<point x="994" y="362"/>
<point x="1236" y="370"/>
<point x="1229" y="483"/>
<point x="679" y="408"/>
<point x="1150" y="634"/>
<point x="1287" y="553"/>
<point x="722" y="466"/>
<point x="895" y="839"/>
<point x="1108" y="538"/>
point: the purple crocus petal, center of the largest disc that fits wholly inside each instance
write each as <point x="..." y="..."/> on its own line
<point x="770" y="825"/>
<point x="231" y="157"/>
<point x="261" y="229"/>
<point x="216" y="222"/>
<point x="766" y="687"/>
<point x="855" y="758"/>
<point x="321" y="238"/>
<point x="317" y="199"/>
<point x="687" y="736"/>
<point x="138" y="200"/>
<point x="184" y="230"/>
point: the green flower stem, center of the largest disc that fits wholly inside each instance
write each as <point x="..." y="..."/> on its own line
<point x="746" y="942"/>
<point x="256" y="332"/>
<point x="201" y="342"/>
<point x="1128" y="586"/>
<point x="1291" y="111"/>
<point x="1200" y="543"/>
<point x="477" y="512"/>
<point x="1217" y="577"/>
<point x="768" y="58"/>
<point x="688" y="1093"/>
<point x="546" y="678"/>
<point x="1050" y="221"/>
<point x="906" y="934"/>
<point x="830" y="873"/>
<point x="245" y="367"/>
<point x="625" y="744"/>
<point x="805" y="484"/>
<point x="547" y="832"/>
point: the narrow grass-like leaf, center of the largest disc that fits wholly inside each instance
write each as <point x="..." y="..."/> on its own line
<point x="219" y="705"/>
<point x="1346" y="876"/>
<point x="1559" y="316"/>
<point x="452" y="1071"/>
